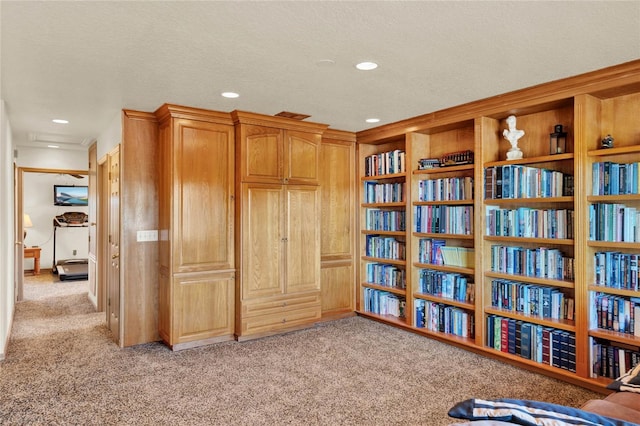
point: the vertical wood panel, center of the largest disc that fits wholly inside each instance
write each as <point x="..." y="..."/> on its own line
<point x="139" y="200"/>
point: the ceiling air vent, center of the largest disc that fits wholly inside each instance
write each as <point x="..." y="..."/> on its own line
<point x="292" y="115"/>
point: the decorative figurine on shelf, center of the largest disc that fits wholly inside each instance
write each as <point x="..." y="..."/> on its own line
<point x="512" y="135"/>
<point x="558" y="141"/>
<point x="607" y="142"/>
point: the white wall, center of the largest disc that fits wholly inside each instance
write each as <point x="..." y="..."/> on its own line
<point x="7" y="237"/>
<point x="110" y="137"/>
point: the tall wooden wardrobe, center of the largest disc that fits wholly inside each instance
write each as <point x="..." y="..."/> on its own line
<point x="196" y="226"/>
<point x="278" y="229"/>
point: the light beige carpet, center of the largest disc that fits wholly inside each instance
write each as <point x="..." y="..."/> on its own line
<point x="63" y="368"/>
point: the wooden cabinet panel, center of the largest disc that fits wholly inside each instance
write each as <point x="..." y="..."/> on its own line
<point x="262" y="148"/>
<point x="277" y="305"/>
<point x="302" y="154"/>
<point x="204" y="307"/>
<point x="262" y="241"/>
<point x="203" y="186"/>
<point x="337" y="180"/>
<point x="337" y="287"/>
<point x="302" y="238"/>
<point x="338" y="212"/>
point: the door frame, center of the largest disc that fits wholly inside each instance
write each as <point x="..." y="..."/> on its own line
<point x="20" y="171"/>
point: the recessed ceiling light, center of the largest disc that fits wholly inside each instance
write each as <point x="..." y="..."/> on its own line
<point x="60" y="121"/>
<point x="230" y="95"/>
<point x="367" y="66"/>
<point x="53" y="146"/>
<point x="325" y="63"/>
<point x="372" y="120"/>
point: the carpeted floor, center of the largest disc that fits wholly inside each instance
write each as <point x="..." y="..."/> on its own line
<point x="63" y="368"/>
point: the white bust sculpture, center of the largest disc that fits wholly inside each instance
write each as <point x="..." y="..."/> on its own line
<point x="512" y="135"/>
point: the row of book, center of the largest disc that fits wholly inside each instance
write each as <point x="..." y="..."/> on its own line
<point x="446" y="285"/>
<point x="532" y="300"/>
<point x="544" y="345"/>
<point x="385" y="247"/>
<point x="609" y="178"/>
<point x="616" y="270"/>
<point x="614" y="222"/>
<point x="384" y="192"/>
<point x="616" y="313"/>
<point x="541" y="262"/>
<point x="528" y="222"/>
<point x="611" y="361"/>
<point x="517" y="181"/>
<point x="384" y="303"/>
<point x="386" y="275"/>
<point x="385" y="163"/>
<point x="443" y="318"/>
<point x="444" y="219"/>
<point x="446" y="189"/>
<point x="385" y="220"/>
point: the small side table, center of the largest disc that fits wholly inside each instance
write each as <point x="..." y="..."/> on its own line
<point x="33" y="252"/>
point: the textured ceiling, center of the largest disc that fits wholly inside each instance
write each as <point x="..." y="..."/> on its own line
<point x="85" y="61"/>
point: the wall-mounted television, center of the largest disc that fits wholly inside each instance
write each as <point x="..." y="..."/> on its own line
<point x="70" y="195"/>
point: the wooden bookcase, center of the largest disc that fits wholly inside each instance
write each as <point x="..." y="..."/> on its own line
<point x="590" y="107"/>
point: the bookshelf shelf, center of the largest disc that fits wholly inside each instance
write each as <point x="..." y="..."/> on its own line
<point x="632" y="149"/>
<point x="444" y="203"/>
<point x="394" y="290"/>
<point x="615" y="336"/>
<point x="614" y="245"/>
<point x="612" y="198"/>
<point x="532" y="160"/>
<point x="530" y="279"/>
<point x="443" y="236"/>
<point x="384" y="205"/>
<point x="379" y="232"/>
<point x="445" y="268"/>
<point x="384" y="260"/>
<point x="431" y="298"/>
<point x="444" y="170"/>
<point x="614" y="291"/>
<point x="527" y="201"/>
<point x="384" y="177"/>
<point x="522" y="240"/>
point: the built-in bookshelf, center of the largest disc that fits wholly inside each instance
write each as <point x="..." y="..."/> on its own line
<point x="528" y="253"/>
<point x="613" y="246"/>
<point x="545" y="247"/>
<point x="383" y="223"/>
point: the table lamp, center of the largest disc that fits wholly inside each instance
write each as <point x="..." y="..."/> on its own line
<point x="26" y="223"/>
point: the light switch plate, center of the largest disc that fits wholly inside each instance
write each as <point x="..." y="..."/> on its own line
<point x="148" y="235"/>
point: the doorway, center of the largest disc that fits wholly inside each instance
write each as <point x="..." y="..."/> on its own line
<point x="35" y="189"/>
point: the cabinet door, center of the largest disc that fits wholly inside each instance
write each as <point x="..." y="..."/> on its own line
<point x="261" y="154"/>
<point x="302" y="157"/>
<point x="303" y="238"/>
<point x="204" y="305"/>
<point x="203" y="196"/>
<point x="262" y="240"/>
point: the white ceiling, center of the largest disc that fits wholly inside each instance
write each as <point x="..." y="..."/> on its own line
<point x="85" y="61"/>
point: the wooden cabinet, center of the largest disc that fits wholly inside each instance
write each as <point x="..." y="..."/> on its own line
<point x="278" y="236"/>
<point x="337" y="185"/>
<point x="196" y="220"/>
<point x="272" y="154"/>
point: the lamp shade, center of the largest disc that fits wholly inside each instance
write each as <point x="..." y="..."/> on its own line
<point x="26" y="221"/>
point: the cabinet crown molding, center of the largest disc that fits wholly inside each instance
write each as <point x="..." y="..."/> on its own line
<point x="177" y="111"/>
